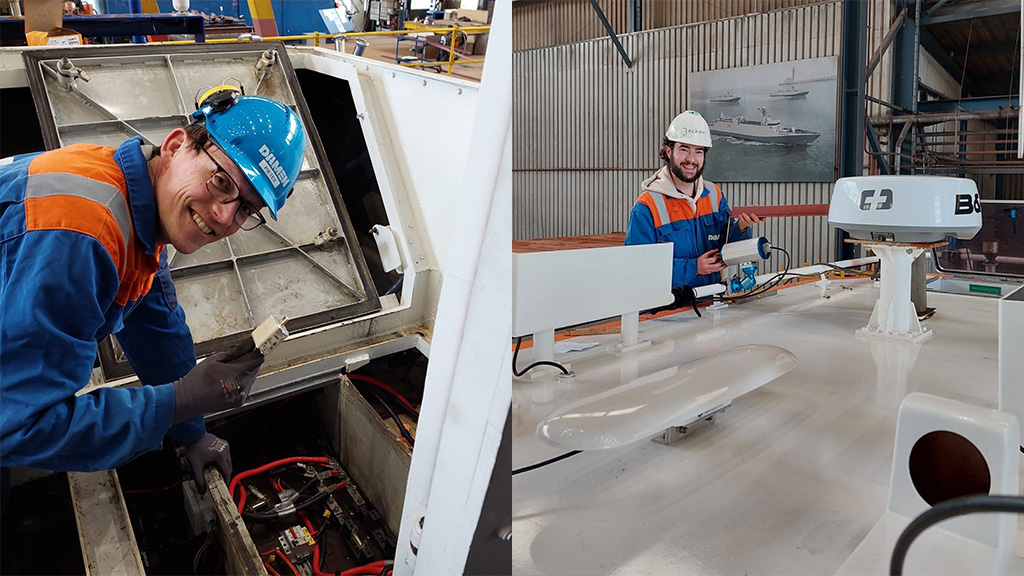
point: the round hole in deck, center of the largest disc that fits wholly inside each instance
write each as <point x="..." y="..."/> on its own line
<point x="945" y="465"/>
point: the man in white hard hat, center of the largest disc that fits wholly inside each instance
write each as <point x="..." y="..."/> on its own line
<point x="678" y="205"/>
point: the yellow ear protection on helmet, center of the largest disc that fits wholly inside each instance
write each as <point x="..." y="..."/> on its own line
<point x="219" y="98"/>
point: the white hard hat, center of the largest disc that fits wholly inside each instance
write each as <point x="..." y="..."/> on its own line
<point x="689" y="128"/>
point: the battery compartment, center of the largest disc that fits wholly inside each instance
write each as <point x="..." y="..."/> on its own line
<point x="301" y="507"/>
<point x="350" y="497"/>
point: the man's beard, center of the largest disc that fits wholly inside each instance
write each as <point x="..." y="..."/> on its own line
<point x="677" y="171"/>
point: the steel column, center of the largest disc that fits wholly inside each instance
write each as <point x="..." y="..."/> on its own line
<point x="135" y="7"/>
<point x="855" y="42"/>
<point x="904" y="89"/>
<point x="913" y="82"/>
<point x="635" y="15"/>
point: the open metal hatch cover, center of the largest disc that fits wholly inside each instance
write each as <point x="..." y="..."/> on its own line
<point x="307" y="265"/>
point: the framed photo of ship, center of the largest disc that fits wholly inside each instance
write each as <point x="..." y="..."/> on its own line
<point x="770" y="123"/>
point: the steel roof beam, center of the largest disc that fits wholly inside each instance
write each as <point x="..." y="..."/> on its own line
<point x="968" y="11"/>
<point x="887" y="40"/>
<point x="872" y="137"/>
<point x="611" y="33"/>
<point x="968" y="104"/>
<point x="944" y="117"/>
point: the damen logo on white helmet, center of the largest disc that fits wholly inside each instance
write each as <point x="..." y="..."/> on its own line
<point x="272" y="168"/>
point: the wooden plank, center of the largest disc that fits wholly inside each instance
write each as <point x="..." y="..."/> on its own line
<point x="568" y="243"/>
<point x="783" y="211"/>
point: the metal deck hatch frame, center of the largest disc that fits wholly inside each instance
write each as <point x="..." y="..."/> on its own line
<point x="289" y="267"/>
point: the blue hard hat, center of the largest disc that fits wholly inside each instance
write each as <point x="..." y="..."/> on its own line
<point x="263" y="137"/>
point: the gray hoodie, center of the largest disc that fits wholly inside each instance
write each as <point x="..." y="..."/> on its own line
<point x="661" y="183"/>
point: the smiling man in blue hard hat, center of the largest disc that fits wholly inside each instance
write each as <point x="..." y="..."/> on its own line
<point x="82" y="235"/>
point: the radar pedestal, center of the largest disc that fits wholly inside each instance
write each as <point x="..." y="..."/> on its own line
<point x="899" y="217"/>
<point x="895" y="316"/>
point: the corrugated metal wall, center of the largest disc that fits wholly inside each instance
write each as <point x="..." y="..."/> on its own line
<point x="543" y="23"/>
<point x="1013" y="187"/>
<point x="587" y="129"/>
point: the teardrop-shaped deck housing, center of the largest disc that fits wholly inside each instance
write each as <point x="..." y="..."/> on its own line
<point x="675" y="396"/>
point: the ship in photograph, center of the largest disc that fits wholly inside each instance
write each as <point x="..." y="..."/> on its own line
<point x="726" y="98"/>
<point x="765" y="130"/>
<point x="789" y="92"/>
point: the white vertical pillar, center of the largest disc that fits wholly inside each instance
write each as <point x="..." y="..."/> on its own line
<point x="544" y="345"/>
<point x="1011" y="361"/>
<point x="630" y="328"/>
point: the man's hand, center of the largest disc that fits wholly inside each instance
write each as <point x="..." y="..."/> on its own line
<point x="748" y="219"/>
<point x="209" y="450"/>
<point x="215" y="384"/>
<point x="709" y="262"/>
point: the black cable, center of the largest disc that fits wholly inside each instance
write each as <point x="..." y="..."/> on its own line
<point x="546" y="462"/>
<point x="308" y="485"/>
<point x="849" y="269"/>
<point x="518" y="373"/>
<point x="768" y="285"/>
<point x="944" y="511"/>
<point x="401" y="427"/>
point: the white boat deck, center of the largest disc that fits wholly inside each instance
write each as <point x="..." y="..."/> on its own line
<point x="788" y="480"/>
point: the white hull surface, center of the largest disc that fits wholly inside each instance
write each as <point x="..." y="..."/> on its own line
<point x="789" y="94"/>
<point x="773" y="134"/>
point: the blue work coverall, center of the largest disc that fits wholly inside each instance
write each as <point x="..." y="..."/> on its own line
<point x="79" y="261"/>
<point x="662" y="214"/>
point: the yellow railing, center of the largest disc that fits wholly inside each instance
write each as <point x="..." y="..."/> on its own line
<point x="317" y="36"/>
<point x="439" y="63"/>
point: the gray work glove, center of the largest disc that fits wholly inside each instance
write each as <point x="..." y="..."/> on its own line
<point x="209" y="450"/>
<point x="220" y="382"/>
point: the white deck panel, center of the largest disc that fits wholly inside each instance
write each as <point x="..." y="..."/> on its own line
<point x="789" y="479"/>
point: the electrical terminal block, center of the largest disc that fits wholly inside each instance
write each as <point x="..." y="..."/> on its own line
<point x="296" y="543"/>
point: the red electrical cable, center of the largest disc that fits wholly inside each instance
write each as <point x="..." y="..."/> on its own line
<point x="385" y="387"/>
<point x="316" y="548"/>
<point x="316" y="543"/>
<point x="241" y="499"/>
<point x="285" y="461"/>
<point x="373" y="568"/>
<point x="290" y="565"/>
<point x="283" y="557"/>
<point x="270" y="569"/>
